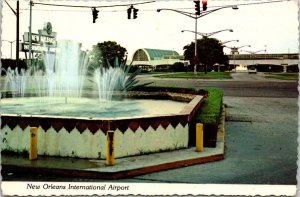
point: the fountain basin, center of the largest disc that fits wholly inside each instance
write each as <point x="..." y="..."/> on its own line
<point x="85" y="137"/>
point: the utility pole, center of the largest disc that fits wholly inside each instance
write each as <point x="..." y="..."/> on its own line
<point x="18" y="32"/>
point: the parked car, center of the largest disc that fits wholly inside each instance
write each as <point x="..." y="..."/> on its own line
<point x="252" y="71"/>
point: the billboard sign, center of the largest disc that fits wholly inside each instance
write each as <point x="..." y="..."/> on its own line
<point x="43" y="41"/>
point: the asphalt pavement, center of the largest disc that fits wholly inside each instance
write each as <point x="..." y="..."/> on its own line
<point x="241" y="85"/>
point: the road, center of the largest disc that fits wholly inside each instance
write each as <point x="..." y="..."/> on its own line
<point x="261" y="136"/>
<point x="242" y="85"/>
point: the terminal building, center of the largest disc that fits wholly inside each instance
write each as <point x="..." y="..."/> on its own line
<point x="156" y="59"/>
<point x="283" y="62"/>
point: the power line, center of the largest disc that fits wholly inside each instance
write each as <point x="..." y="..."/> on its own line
<point x="83" y="6"/>
<point x="64" y="10"/>
<point x="146" y="10"/>
<point x="254" y="3"/>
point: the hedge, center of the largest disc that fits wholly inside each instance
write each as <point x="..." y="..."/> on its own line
<point x="211" y="107"/>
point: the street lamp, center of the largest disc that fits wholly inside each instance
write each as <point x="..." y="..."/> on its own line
<point x="11" y="42"/>
<point x="227" y="41"/>
<point x="235" y="50"/>
<point x="254" y="52"/>
<point x="195" y="16"/>
<point x="207" y="34"/>
<point x="17" y="14"/>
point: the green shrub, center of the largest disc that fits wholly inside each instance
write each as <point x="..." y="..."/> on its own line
<point x="178" y="67"/>
<point x="211" y="108"/>
<point x="209" y="112"/>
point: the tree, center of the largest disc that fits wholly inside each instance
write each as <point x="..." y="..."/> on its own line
<point x="105" y="52"/>
<point x="209" y="52"/>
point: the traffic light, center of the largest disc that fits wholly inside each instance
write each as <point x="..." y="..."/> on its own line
<point x="197" y="7"/>
<point x="204" y="5"/>
<point x="95" y="14"/>
<point x="129" y="12"/>
<point x="135" y="11"/>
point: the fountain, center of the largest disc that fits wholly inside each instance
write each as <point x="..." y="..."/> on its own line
<point x="73" y="119"/>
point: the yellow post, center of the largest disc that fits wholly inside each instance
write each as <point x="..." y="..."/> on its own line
<point x="110" y="148"/>
<point x="199" y="137"/>
<point x="33" y="149"/>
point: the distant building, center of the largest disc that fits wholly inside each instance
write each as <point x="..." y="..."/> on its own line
<point x="281" y="62"/>
<point x="156" y="59"/>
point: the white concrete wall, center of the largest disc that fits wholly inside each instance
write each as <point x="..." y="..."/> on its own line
<point x="88" y="145"/>
<point x="268" y="61"/>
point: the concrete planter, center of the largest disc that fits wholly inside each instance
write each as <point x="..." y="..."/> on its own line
<point x="85" y="137"/>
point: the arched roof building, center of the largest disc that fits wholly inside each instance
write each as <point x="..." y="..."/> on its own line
<point x="150" y="59"/>
<point x="146" y="54"/>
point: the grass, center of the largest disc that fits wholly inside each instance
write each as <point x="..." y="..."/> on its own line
<point x="199" y="75"/>
<point x="284" y="76"/>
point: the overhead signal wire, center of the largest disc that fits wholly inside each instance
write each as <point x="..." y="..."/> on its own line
<point x="84" y="6"/>
<point x="147" y="10"/>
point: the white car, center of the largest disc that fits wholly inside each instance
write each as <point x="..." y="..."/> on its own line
<point x="252" y="71"/>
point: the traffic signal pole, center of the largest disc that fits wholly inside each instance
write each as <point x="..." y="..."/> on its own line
<point x="197" y="13"/>
<point x="196" y="58"/>
<point x="196" y="16"/>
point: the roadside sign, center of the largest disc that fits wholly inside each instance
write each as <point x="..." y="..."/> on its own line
<point x="43" y="41"/>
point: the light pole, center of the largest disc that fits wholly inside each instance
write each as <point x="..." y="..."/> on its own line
<point x="11" y="42"/>
<point x="194" y="16"/>
<point x="265" y="54"/>
<point x="17" y="14"/>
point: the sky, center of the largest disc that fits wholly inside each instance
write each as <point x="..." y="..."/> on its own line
<point x="271" y="26"/>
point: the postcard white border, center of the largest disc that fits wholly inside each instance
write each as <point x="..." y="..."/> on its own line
<point x="21" y="188"/>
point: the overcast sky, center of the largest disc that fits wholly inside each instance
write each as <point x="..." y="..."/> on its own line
<point x="274" y="26"/>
